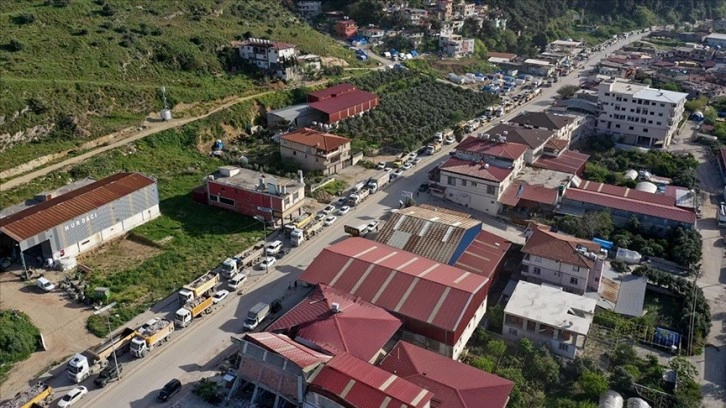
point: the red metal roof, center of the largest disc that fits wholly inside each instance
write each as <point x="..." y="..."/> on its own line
<point x="343" y="102"/>
<point x="347" y="331"/>
<point x="668" y="212"/>
<point x="484" y="254"/>
<point x="454" y="384"/>
<point x="476" y="169"/>
<point x="625" y="192"/>
<point x="510" y="151"/>
<point x="363" y="385"/>
<point x="302" y="356"/>
<point x="48" y="214"/>
<point x="413" y="286"/>
<point x="559" y="247"/>
<point x="331" y="91"/>
<point x="520" y="190"/>
<point x="310" y="137"/>
<point x="567" y="162"/>
<point x="492" y="54"/>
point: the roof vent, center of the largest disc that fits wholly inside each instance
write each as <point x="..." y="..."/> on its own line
<point x="335" y="307"/>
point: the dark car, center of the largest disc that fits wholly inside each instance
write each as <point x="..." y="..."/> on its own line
<point x="171" y="388"/>
<point x="283" y="252"/>
<point x="109" y="374"/>
<point x="423" y="187"/>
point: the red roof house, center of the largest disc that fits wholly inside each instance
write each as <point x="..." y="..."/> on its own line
<point x="342" y="101"/>
<point x="337" y="322"/>
<point x="454" y="384"/>
<point x="434" y="300"/>
<point x="484" y="255"/>
<point x="355" y="383"/>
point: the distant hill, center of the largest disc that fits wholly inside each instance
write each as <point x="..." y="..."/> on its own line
<point x="90" y="67"/>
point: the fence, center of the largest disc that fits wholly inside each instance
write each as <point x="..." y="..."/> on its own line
<point x="323" y="183"/>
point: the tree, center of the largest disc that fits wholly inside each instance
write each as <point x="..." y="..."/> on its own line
<point x="621" y="379"/>
<point x="366" y="12"/>
<point x="15" y="45"/>
<point x="593" y="383"/>
<point x="107" y="10"/>
<point x="686" y="246"/>
<point x="568" y="91"/>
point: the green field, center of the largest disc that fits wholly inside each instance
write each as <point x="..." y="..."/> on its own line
<point x="101" y="63"/>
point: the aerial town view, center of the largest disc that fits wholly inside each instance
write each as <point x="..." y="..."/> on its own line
<point x="363" y="203"/>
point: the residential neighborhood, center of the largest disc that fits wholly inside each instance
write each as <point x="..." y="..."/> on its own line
<point x="421" y="218"/>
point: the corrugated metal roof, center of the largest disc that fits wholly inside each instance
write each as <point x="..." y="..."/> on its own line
<point x="44" y="216"/>
<point x="567" y="162"/>
<point x="364" y="385"/>
<point x="330" y="91"/>
<point x="400" y="281"/>
<point x="454" y="384"/>
<point x="625" y="192"/>
<point x="426" y="232"/>
<point x="302" y="356"/>
<point x="484" y="254"/>
<point x="347" y="331"/>
<point x="342" y="102"/>
<point x="631" y="296"/>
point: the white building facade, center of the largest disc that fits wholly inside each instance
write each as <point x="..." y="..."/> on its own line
<point x="276" y="57"/>
<point x="639" y="115"/>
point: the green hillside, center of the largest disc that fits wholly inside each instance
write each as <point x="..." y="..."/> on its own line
<point x="95" y="66"/>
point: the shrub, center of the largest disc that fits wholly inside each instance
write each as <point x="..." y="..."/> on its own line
<point x="23" y="19"/>
<point x="18" y="339"/>
<point x="15" y="45"/>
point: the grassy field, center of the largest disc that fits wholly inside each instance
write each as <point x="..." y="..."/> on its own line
<point x="101" y="63"/>
<point x="192" y="237"/>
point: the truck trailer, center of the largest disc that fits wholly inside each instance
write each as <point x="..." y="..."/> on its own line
<point x="196" y="307"/>
<point x="93" y="360"/>
<point x="39" y="395"/>
<point x="378" y="181"/>
<point x="203" y="285"/>
<point x="359" y="231"/>
<point x="151" y="334"/>
<point x="256" y="315"/>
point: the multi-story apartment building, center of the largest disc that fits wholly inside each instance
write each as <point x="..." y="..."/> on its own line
<point x="455" y="46"/>
<point x="464" y="10"/>
<point x="316" y="151"/>
<point x="275" y="57"/>
<point x="638" y="114"/>
<point x="276" y="199"/>
<point x="309" y="9"/>
<point x="547" y="315"/>
<point x="563" y="260"/>
<point x="480" y="172"/>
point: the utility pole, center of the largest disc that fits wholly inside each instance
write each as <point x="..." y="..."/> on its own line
<point x="108" y="321"/>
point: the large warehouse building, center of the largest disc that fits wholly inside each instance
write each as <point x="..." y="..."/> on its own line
<point x="74" y="222"/>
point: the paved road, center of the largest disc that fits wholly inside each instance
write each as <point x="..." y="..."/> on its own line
<point x="191" y="350"/>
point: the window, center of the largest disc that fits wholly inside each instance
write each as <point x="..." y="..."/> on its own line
<point x="617" y="125"/>
<point x="85" y="242"/>
<point x="660" y="114"/>
<point x="657" y="123"/>
<point x="213" y="198"/>
<point x="226" y="201"/>
<point x="531" y="325"/>
<point x="537" y="259"/>
<point x="451" y="181"/>
<point x="473" y="184"/>
<point x="630" y="128"/>
<point x="650" y="122"/>
<point x="463" y="183"/>
<point x="563" y="347"/>
<point x="662" y="105"/>
<point x="491" y="190"/>
<point x="294" y="153"/>
<point x="573" y="281"/>
<point x="645" y="130"/>
<point x="513" y="320"/>
<point x="536" y="270"/>
<point x="575" y="268"/>
<point x="513" y="332"/>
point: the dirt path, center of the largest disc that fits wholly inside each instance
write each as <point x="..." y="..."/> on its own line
<point x="151" y="128"/>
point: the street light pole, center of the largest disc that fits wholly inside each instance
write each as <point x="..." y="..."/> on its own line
<point x="108" y="321"/>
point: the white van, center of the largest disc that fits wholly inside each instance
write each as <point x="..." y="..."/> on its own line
<point x="237" y="280"/>
<point x="44" y="284"/>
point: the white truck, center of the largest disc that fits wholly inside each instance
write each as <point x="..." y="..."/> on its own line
<point x="721" y="215"/>
<point x="357" y="198"/>
<point x="230" y="267"/>
<point x="256" y="315"/>
<point x="297" y="236"/>
<point x="378" y="181"/>
<point x="93" y="360"/>
<point x="151" y="334"/>
<point x="359" y="231"/>
<point x="203" y="285"/>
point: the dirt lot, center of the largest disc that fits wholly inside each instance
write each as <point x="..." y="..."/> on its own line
<point x="61" y="322"/>
<point x="126" y="253"/>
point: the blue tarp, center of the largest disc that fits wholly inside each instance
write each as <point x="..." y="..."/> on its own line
<point x="608" y="245"/>
<point x="414" y="53"/>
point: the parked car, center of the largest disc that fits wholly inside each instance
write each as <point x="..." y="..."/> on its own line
<point x="341" y="201"/>
<point x="416" y="161"/>
<point x="407" y="166"/>
<point x="220" y="296"/>
<point x="328" y="209"/>
<point x="72" y="396"/>
<point x="372" y="226"/>
<point x="171" y="388"/>
<point x="412" y="155"/>
<point x="110" y="373"/>
<point x="450" y="140"/>
<point x="283" y="252"/>
<point x="343" y="210"/>
<point x="381" y="165"/>
<point x="423" y="187"/>
<point x="267" y="262"/>
<point x="237" y="280"/>
<point x="330" y="220"/>
<point x="44" y="284"/>
<point x="319" y="216"/>
<point x="273" y="247"/>
<point x="398" y="172"/>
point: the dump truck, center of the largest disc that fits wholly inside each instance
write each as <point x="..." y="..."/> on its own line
<point x="313" y="228"/>
<point x="39" y="395"/>
<point x="194" y="308"/>
<point x="249" y="257"/>
<point x="359" y="231"/>
<point x="378" y="181"/>
<point x="259" y="313"/>
<point x="91" y="361"/>
<point x="203" y="285"/>
<point x="357" y="198"/>
<point x="230" y="267"/>
<point x="151" y="334"/>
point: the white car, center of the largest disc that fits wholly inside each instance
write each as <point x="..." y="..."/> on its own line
<point x="72" y="396"/>
<point x="416" y="161"/>
<point x="267" y="262"/>
<point x="273" y="247"/>
<point x="343" y="210"/>
<point x="450" y="140"/>
<point x="372" y="226"/>
<point x="381" y="165"/>
<point x="397" y="172"/>
<point x="388" y="169"/>
<point x="412" y="155"/>
<point x="319" y="216"/>
<point x="407" y="166"/>
<point x="328" y="209"/>
<point x="330" y="220"/>
<point x="220" y="296"/>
